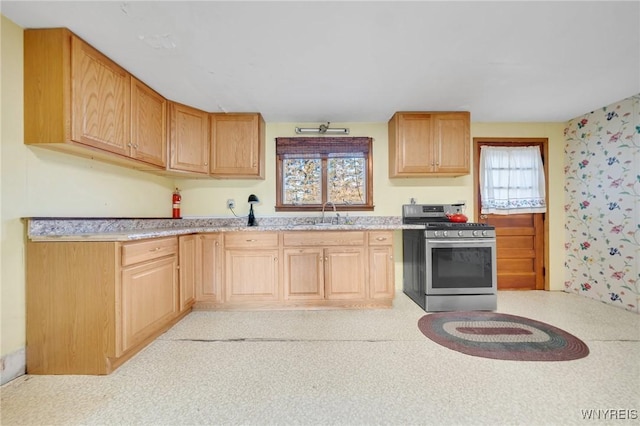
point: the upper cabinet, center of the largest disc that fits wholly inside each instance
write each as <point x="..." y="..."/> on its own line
<point x="423" y="144"/>
<point x="77" y="100"/>
<point x="237" y="145"/>
<point x="188" y="140"/>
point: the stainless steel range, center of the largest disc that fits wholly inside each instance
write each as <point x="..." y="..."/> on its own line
<point x="448" y="266"/>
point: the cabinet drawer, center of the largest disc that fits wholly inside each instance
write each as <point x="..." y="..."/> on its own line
<point x="324" y="238"/>
<point x="148" y="249"/>
<point x="250" y="239"/>
<point x="380" y="238"/>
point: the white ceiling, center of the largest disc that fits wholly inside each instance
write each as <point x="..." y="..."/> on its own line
<point x="360" y="61"/>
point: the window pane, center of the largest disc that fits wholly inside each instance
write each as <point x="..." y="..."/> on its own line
<point x="346" y="177"/>
<point x="302" y="183"/>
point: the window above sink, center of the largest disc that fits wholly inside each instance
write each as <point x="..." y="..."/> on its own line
<point x="316" y="171"/>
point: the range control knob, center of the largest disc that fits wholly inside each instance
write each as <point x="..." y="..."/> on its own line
<point x="460" y="233"/>
<point x="436" y="233"/>
<point x="475" y="233"/>
<point x="484" y="233"/>
<point x="445" y="233"/>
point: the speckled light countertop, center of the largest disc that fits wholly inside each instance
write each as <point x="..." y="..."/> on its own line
<point x="129" y="229"/>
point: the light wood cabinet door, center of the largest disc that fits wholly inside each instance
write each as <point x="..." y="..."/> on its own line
<point x="381" y="272"/>
<point x="188" y="139"/>
<point x="188" y="263"/>
<point x="451" y="143"/>
<point x="251" y="274"/>
<point x="149" y="299"/>
<point x="303" y="274"/>
<point x="423" y="144"/>
<point x="237" y="145"/>
<point x="209" y="284"/>
<point x="148" y="124"/>
<point x="411" y="147"/>
<point x="100" y="100"/>
<point x="344" y="273"/>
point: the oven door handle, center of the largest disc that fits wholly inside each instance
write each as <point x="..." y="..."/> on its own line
<point x="474" y="242"/>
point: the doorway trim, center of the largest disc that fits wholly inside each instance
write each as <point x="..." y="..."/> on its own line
<point x="544" y="144"/>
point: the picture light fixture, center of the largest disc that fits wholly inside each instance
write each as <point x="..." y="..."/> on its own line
<point x="322" y="130"/>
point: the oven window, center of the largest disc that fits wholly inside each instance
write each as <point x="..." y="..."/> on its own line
<point x="461" y="267"/>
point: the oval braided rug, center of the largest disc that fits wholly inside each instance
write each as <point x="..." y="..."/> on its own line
<point x="501" y="336"/>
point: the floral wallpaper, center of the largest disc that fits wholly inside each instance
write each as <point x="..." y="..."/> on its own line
<point x="602" y="204"/>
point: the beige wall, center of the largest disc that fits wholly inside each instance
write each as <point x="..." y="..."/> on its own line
<point x="36" y="182"/>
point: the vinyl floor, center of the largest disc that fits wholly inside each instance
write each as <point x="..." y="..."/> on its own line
<point x="348" y="367"/>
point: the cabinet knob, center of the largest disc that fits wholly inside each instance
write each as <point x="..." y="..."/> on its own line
<point x="381" y="238"/>
<point x="156" y="249"/>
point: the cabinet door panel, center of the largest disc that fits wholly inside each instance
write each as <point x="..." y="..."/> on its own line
<point x="187" y="271"/>
<point x="251" y="274"/>
<point x="149" y="299"/>
<point x="414" y="143"/>
<point x="381" y="272"/>
<point x="237" y="145"/>
<point x="452" y="143"/>
<point x="304" y="273"/>
<point x="209" y="284"/>
<point x="100" y="99"/>
<point x="189" y="139"/>
<point x="148" y="124"/>
<point x="344" y="273"/>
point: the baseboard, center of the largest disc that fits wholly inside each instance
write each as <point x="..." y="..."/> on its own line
<point x="12" y="365"/>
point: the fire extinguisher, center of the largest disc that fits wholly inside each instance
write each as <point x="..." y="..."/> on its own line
<point x="176" y="203"/>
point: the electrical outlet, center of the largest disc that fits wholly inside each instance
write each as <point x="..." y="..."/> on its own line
<point x="231" y="204"/>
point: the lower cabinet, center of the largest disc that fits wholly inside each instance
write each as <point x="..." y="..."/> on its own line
<point x="318" y="273"/>
<point x="251" y="266"/>
<point x="93" y="305"/>
<point x="149" y="299"/>
<point x="297" y="269"/>
<point x="381" y="266"/>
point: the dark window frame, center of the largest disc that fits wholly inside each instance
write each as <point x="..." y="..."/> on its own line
<point x="323" y="147"/>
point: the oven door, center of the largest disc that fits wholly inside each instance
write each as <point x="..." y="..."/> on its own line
<point x="461" y="266"/>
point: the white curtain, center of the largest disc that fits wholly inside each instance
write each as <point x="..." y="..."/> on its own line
<point x="511" y="180"/>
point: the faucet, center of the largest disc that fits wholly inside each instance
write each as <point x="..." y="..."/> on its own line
<point x="334" y="210"/>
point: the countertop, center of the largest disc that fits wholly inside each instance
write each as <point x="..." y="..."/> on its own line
<point x="131" y="229"/>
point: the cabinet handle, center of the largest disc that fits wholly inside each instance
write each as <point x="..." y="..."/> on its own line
<point x="156" y="249"/>
<point x="251" y="241"/>
<point x="381" y="238"/>
<point x="129" y="145"/>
